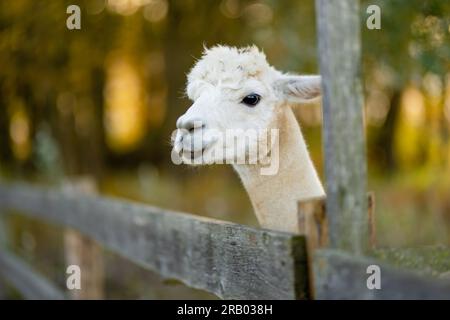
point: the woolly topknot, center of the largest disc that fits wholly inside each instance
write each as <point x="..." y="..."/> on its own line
<point x="228" y="65"/>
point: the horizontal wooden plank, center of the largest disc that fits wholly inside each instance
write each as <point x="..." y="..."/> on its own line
<point x="27" y="281"/>
<point x="339" y="275"/>
<point x="230" y="260"/>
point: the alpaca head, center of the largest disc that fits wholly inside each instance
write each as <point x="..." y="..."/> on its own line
<point x="235" y="90"/>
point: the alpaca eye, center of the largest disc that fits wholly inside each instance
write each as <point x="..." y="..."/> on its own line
<point x="251" y="100"/>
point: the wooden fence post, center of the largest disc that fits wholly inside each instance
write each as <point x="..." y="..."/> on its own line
<point x="345" y="163"/>
<point x="84" y="252"/>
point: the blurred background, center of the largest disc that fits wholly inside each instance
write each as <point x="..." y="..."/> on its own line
<point x="102" y="102"/>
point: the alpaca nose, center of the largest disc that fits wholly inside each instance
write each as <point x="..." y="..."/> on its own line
<point x="190" y="124"/>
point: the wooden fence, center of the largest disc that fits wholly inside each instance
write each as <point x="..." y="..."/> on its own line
<point x="229" y="260"/>
<point x="239" y="262"/>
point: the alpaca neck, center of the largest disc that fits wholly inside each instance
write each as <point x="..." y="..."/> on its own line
<point x="274" y="197"/>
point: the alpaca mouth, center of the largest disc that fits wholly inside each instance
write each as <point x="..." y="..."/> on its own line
<point x="196" y="154"/>
<point x="192" y="155"/>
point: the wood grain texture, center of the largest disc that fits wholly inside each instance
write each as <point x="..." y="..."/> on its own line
<point x="339" y="275"/>
<point x="345" y="164"/>
<point x="28" y="282"/>
<point x="229" y="260"/>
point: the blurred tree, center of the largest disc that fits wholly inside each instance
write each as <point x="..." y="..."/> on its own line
<point x="63" y="77"/>
<point x="413" y="41"/>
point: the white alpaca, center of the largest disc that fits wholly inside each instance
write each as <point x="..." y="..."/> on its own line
<point x="235" y="88"/>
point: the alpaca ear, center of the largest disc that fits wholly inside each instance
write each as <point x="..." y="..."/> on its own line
<point x="299" y="88"/>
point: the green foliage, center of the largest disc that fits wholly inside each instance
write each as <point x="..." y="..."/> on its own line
<point x="414" y="38"/>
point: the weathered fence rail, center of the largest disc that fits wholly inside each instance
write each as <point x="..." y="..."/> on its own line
<point x="229" y="260"/>
<point x="340" y="275"/>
